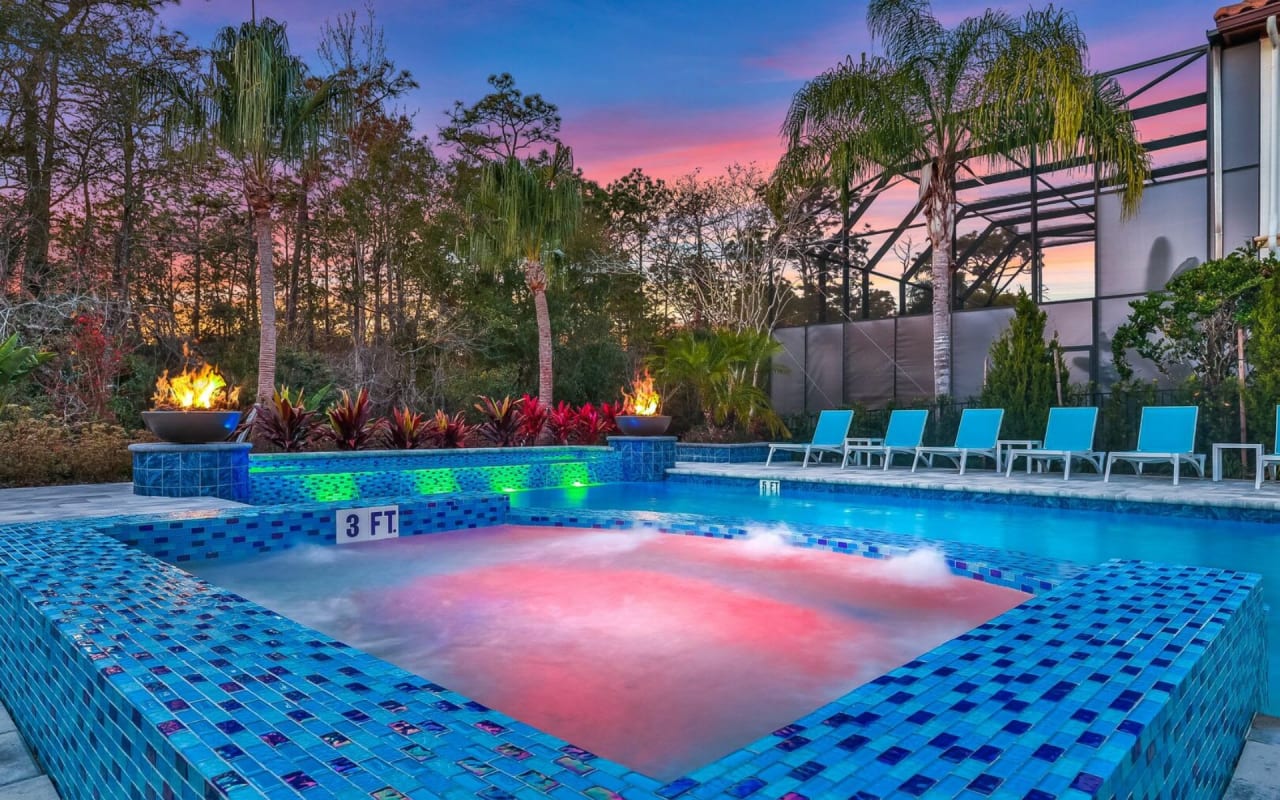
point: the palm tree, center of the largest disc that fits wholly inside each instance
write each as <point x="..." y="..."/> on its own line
<point x="257" y="105"/>
<point x="525" y="210"/>
<point x="993" y="86"/>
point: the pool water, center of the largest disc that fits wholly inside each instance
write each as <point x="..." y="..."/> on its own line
<point x="661" y="652"/>
<point x="1083" y="537"/>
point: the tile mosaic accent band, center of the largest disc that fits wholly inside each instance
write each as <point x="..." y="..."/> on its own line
<point x="191" y="470"/>
<point x="645" y="458"/>
<point x="698" y="453"/>
<point x="367" y="475"/>
<point x="205" y="535"/>
<point x="133" y="679"/>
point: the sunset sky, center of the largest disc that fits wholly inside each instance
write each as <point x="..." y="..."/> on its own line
<point x="664" y="86"/>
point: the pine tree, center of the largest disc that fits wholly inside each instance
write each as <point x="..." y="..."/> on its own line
<point x="1022" y="379"/>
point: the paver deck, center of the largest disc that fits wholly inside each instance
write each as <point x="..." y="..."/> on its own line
<point x="40" y="503"/>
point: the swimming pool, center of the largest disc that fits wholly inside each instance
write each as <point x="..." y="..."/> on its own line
<point x="1082" y="537"/>
<point x="620" y="641"/>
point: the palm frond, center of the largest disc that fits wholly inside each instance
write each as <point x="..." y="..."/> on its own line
<point x="524" y="209"/>
<point x="848" y="121"/>
<point x="1038" y="94"/>
<point x="907" y="28"/>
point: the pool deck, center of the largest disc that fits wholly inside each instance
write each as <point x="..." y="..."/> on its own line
<point x="42" y="503"/>
<point x="1085" y="485"/>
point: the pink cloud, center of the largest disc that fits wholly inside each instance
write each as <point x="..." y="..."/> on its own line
<point x="667" y="143"/>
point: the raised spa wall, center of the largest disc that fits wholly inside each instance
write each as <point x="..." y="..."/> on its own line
<point x="132" y="679"/>
<point x="230" y="472"/>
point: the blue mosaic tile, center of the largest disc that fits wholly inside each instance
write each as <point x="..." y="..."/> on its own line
<point x="131" y="678"/>
<point x="214" y="470"/>
<point x="645" y="458"/>
<point x="697" y="453"/>
<point x="375" y="474"/>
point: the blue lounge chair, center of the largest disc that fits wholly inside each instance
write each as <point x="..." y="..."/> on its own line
<point x="1166" y="435"/>
<point x="979" y="430"/>
<point x="828" y="437"/>
<point x="903" y="435"/>
<point x="1068" y="436"/>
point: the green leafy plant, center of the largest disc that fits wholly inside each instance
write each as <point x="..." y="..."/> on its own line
<point x="351" y="426"/>
<point x="444" y="431"/>
<point x="286" y="423"/>
<point x="721" y="371"/>
<point x="16" y="363"/>
<point x="501" y="425"/>
<point x="1194" y="322"/>
<point x="406" y="429"/>
<point x="1027" y="376"/>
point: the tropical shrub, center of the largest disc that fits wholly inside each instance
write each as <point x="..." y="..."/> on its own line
<point x="406" y="429"/>
<point x="562" y="423"/>
<point x="42" y="450"/>
<point x="1192" y="324"/>
<point x="723" y="373"/>
<point x="16" y="362"/>
<point x="351" y="422"/>
<point x="446" y="432"/>
<point x="1026" y="376"/>
<point x="533" y="418"/>
<point x="501" y="424"/>
<point x="286" y="424"/>
<point x="609" y="415"/>
<point x="593" y="424"/>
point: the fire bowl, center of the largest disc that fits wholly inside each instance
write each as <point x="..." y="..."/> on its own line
<point x="634" y="425"/>
<point x="192" y="427"/>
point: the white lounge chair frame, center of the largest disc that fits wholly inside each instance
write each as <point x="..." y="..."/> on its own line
<point x="810" y="448"/>
<point x="1176" y="458"/>
<point x="1042" y="455"/>
<point x="959" y="455"/>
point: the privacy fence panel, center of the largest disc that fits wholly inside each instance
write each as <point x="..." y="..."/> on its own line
<point x="787" y="383"/>
<point x="826" y="365"/>
<point x="972" y="333"/>
<point x="1169" y="233"/>
<point x="868" y="362"/>
<point x="913" y="378"/>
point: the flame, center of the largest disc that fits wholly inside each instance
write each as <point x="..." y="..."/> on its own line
<point x="643" y="401"/>
<point x="194" y="389"/>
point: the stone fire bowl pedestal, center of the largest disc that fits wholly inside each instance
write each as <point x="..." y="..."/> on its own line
<point x="163" y="469"/>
